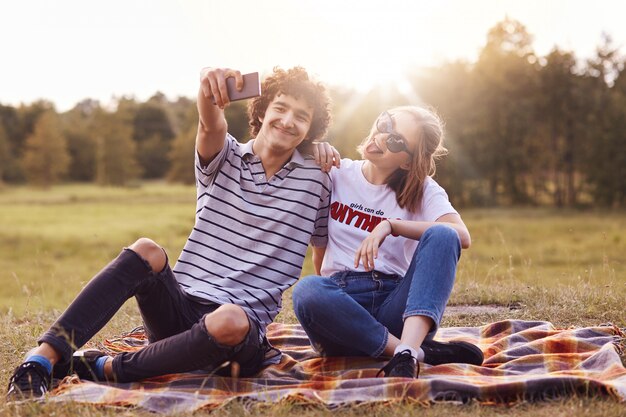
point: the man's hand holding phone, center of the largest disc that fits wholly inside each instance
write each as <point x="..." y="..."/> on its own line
<point x="223" y="85"/>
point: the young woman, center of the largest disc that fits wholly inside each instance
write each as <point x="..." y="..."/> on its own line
<point x="394" y="243"/>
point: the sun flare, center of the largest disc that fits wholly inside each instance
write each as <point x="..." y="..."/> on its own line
<point x="357" y="44"/>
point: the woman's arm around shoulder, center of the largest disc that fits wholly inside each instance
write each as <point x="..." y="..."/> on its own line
<point x="318" y="257"/>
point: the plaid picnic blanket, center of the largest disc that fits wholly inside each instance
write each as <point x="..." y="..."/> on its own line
<point x="524" y="361"/>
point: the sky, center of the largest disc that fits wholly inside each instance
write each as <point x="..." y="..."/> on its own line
<point x="68" y="50"/>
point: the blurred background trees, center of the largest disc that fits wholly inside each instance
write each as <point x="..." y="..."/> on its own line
<point x="522" y="129"/>
<point x="116" y="161"/>
<point x="5" y="156"/>
<point x="45" y="158"/>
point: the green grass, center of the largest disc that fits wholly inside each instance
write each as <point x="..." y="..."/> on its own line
<point x="567" y="267"/>
<point x="53" y="241"/>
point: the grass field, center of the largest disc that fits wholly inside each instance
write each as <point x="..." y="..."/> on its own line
<point x="567" y="267"/>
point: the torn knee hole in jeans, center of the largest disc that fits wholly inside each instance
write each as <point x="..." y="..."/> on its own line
<point x="147" y="264"/>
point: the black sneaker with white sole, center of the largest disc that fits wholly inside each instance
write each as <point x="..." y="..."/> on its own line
<point x="29" y="380"/>
<point x="437" y="353"/>
<point x="402" y="365"/>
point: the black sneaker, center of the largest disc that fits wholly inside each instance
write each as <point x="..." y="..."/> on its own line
<point x="402" y="365"/>
<point x="30" y="380"/>
<point x="436" y="353"/>
<point x="83" y="364"/>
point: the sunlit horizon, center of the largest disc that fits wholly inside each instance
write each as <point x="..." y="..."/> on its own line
<point x="69" y="50"/>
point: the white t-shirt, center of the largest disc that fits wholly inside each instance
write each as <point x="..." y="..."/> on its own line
<point x="357" y="206"/>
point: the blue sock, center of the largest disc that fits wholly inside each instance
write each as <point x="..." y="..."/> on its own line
<point x="41" y="360"/>
<point x="100" y="367"/>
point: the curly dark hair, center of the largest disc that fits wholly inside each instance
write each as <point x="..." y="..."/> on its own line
<point x="294" y="82"/>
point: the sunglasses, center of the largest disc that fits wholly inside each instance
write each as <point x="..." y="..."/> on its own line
<point x="395" y="142"/>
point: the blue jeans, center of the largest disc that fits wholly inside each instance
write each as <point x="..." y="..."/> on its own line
<point x="352" y="313"/>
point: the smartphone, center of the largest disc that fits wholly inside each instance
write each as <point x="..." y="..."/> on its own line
<point x="251" y="87"/>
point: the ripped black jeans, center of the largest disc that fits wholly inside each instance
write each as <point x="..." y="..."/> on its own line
<point x="174" y="323"/>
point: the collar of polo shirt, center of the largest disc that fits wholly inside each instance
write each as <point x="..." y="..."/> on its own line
<point x="296" y="158"/>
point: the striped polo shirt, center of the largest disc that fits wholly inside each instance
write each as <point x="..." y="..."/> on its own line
<point x="251" y="233"/>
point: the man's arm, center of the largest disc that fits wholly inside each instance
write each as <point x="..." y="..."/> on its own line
<point x="212" y="126"/>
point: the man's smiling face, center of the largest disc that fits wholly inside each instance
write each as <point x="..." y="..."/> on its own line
<point x="286" y="123"/>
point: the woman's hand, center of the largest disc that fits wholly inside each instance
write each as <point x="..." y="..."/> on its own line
<point x="368" y="250"/>
<point x="326" y="156"/>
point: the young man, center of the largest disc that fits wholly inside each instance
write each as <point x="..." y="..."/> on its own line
<point x="259" y="206"/>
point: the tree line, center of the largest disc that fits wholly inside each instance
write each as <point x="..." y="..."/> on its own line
<point x="522" y="129"/>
